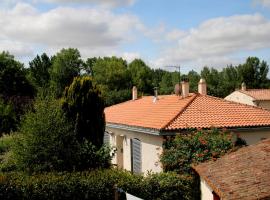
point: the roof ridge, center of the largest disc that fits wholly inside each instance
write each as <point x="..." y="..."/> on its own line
<point x="194" y="95"/>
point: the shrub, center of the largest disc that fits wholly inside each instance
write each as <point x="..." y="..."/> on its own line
<point x="97" y="184"/>
<point x="201" y="145"/>
<point x="48" y="142"/>
<point x="7" y="117"/>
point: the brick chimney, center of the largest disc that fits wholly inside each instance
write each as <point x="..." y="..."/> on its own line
<point x="134" y="93"/>
<point x="185" y="89"/>
<point x="243" y="86"/>
<point x="202" y="87"/>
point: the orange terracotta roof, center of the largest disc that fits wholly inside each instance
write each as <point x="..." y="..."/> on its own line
<point x="242" y="175"/>
<point x="172" y="112"/>
<point x="258" y="94"/>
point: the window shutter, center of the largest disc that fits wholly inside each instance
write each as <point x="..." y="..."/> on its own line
<point x="136" y="155"/>
<point x="106" y="139"/>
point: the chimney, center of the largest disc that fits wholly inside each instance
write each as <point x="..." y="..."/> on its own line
<point x="243" y="86"/>
<point x="155" y="94"/>
<point x="177" y="89"/>
<point x="185" y="89"/>
<point x="134" y="93"/>
<point x="202" y="88"/>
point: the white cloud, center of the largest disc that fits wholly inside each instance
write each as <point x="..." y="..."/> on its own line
<point x="100" y="2"/>
<point x="219" y="38"/>
<point x="264" y="3"/>
<point x="90" y="29"/>
<point x="175" y="35"/>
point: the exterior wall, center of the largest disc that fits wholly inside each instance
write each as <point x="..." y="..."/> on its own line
<point x="151" y="148"/>
<point x="264" y="104"/>
<point x="239" y="97"/>
<point x="206" y="191"/>
<point x="252" y="137"/>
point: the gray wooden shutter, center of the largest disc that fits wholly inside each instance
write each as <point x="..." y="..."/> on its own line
<point x="136" y="155"/>
<point x="106" y="139"/>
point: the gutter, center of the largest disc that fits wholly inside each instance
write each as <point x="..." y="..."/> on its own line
<point x="134" y="128"/>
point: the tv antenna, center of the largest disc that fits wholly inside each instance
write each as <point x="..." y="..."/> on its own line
<point x="177" y="68"/>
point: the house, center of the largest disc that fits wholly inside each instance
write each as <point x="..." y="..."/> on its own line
<point x="254" y="97"/>
<point x="244" y="174"/>
<point x="137" y="127"/>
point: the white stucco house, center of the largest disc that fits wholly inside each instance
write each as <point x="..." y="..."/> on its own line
<point x="253" y="97"/>
<point x="137" y="128"/>
<point x="243" y="175"/>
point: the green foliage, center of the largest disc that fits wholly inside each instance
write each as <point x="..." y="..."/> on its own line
<point x="84" y="106"/>
<point x="98" y="184"/>
<point x="39" y="69"/>
<point x="112" y="76"/>
<point x="48" y="142"/>
<point x="199" y="146"/>
<point x="6" y="142"/>
<point x="8" y="119"/>
<point x="13" y="81"/>
<point x="65" y="66"/>
<point x="254" y="73"/>
<point x="141" y="76"/>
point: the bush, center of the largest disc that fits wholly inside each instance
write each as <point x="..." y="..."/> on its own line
<point x="201" y="145"/>
<point x="48" y="142"/>
<point x="7" y="117"/>
<point x="98" y="185"/>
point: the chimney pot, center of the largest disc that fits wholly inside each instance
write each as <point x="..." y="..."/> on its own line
<point x="243" y="86"/>
<point x="134" y="93"/>
<point x="202" y="87"/>
<point x="185" y="89"/>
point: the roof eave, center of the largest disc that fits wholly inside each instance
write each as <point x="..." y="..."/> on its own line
<point x="150" y="131"/>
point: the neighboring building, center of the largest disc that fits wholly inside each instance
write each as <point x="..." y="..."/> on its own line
<point x="137" y="127"/>
<point x="243" y="175"/>
<point x="253" y="97"/>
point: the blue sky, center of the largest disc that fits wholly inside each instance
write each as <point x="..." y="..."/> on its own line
<point x="189" y="33"/>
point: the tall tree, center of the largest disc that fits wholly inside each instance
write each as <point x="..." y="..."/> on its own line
<point x="39" y="70"/>
<point x="111" y="74"/>
<point x="254" y="73"/>
<point x="65" y="66"/>
<point x="141" y="76"/>
<point x="84" y="105"/>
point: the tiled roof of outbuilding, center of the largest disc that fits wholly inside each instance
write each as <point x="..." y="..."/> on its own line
<point x="172" y="112"/>
<point x="241" y="175"/>
<point x="258" y="94"/>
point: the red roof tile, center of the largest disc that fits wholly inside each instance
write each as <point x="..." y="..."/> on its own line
<point x="244" y="174"/>
<point x="258" y="94"/>
<point x="172" y="112"/>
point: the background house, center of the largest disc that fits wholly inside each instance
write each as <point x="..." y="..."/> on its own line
<point x="137" y="127"/>
<point x="244" y="174"/>
<point x="254" y="97"/>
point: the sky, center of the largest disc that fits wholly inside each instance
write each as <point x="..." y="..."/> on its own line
<point x="186" y="33"/>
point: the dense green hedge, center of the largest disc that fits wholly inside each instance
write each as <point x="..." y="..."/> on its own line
<point x="98" y="184"/>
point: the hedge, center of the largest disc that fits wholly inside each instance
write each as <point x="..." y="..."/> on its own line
<point x="98" y="184"/>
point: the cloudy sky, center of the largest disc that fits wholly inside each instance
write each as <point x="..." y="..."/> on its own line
<point x="189" y="33"/>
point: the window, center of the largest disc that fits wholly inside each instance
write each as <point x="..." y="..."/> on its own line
<point x="106" y="139"/>
<point x="135" y="156"/>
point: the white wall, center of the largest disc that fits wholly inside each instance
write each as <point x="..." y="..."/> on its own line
<point x="239" y="97"/>
<point x="151" y="148"/>
<point x="206" y="191"/>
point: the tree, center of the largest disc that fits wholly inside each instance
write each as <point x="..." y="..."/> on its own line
<point x="39" y="70"/>
<point x="88" y="66"/>
<point x="193" y="78"/>
<point x="16" y="92"/>
<point x="65" y="66"/>
<point x="111" y="75"/>
<point x="141" y="76"/>
<point x="254" y="73"/>
<point x="84" y="106"/>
